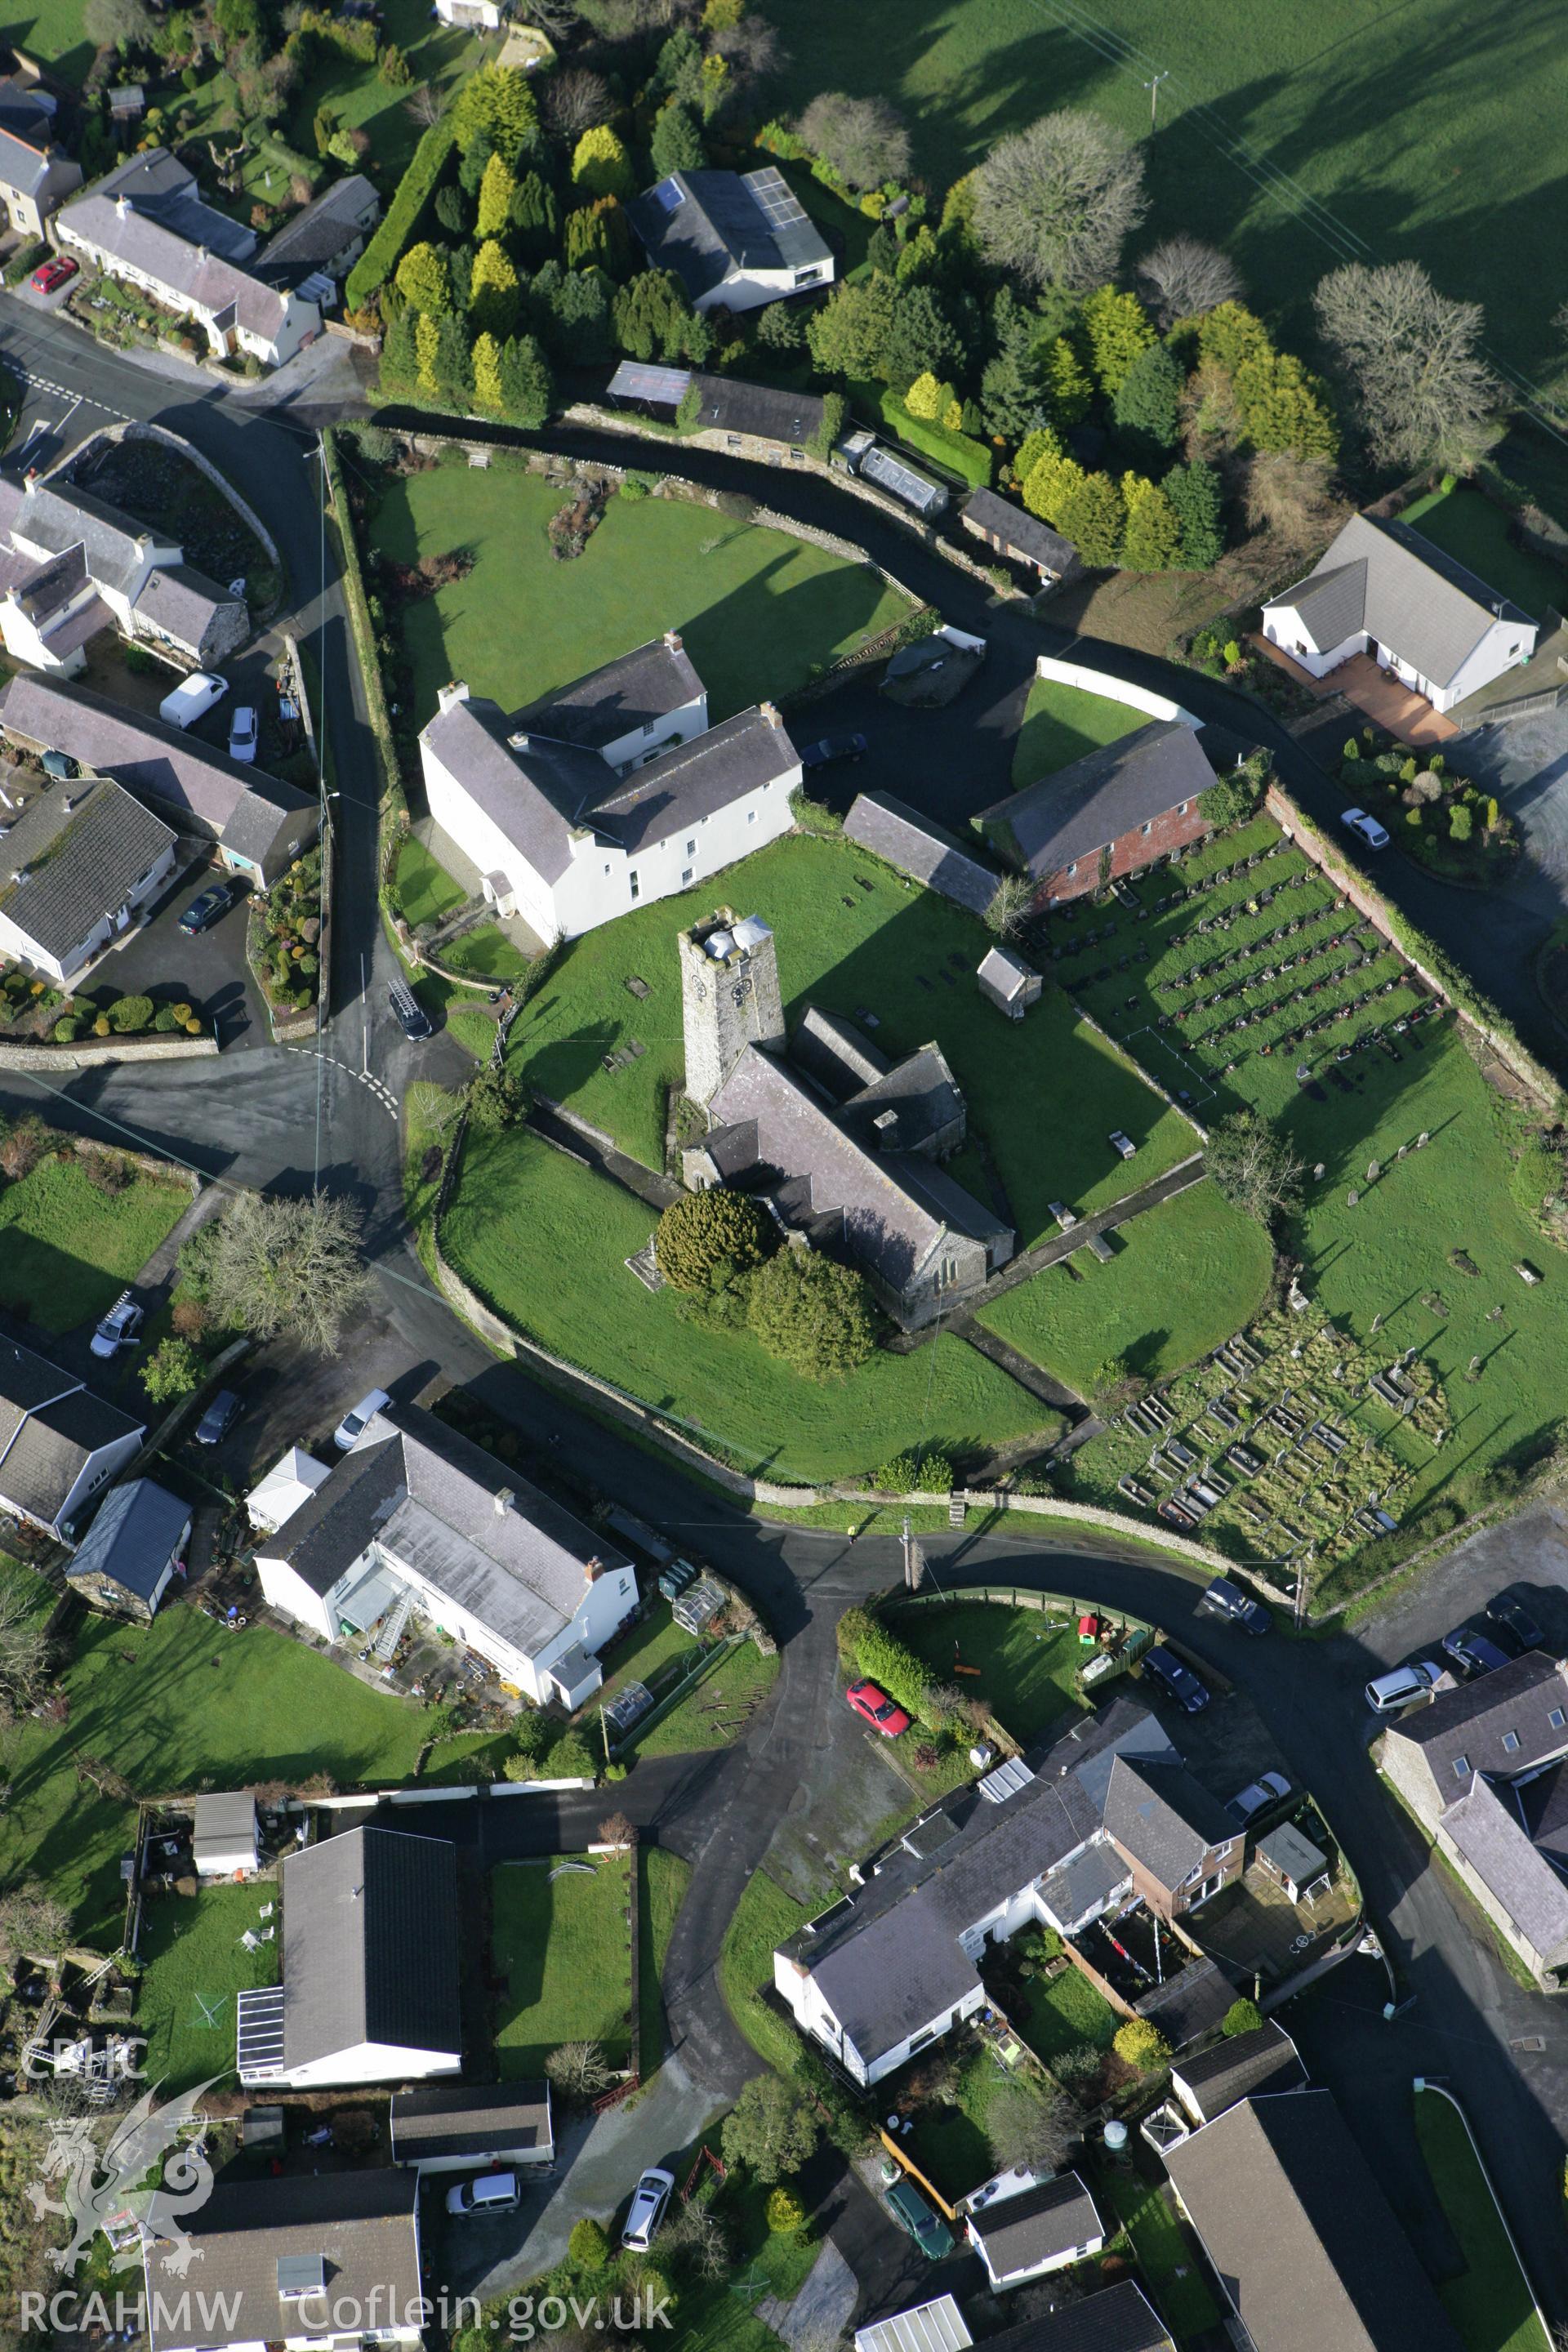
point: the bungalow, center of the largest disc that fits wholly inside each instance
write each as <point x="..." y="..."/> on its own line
<point x="1111" y="814"/>
<point x="145" y="224"/>
<point x="59" y="1442"/>
<point x="464" y="2127"/>
<point x="735" y="239"/>
<point x="369" y="1967"/>
<point x="613" y="792"/>
<point x="124" y="1563"/>
<point x="1033" y="2230"/>
<point x="35" y="173"/>
<point x="1383" y="590"/>
<point x="321" y="2260"/>
<point x="71" y="564"/>
<point x="916" y="845"/>
<point x="79" y="861"/>
<point x="419" y="1522"/>
<point x="1023" y="537"/>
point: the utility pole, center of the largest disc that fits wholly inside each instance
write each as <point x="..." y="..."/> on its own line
<point x="914" y="1560"/>
<point x="1153" y="90"/>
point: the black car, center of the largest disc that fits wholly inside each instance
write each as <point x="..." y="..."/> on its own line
<point x="831" y="749"/>
<point x="218" y="1418"/>
<point x="1223" y="1599"/>
<point x="212" y="905"/>
<point x="1471" y="1649"/>
<point x="409" y="1013"/>
<point x="1513" y="1628"/>
<point x="1177" y="1681"/>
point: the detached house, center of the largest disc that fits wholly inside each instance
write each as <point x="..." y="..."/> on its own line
<point x="71" y="564"/>
<point x="1383" y="590"/>
<point x="1030" y="2232"/>
<point x="59" y="1442"/>
<point x="734" y="239"/>
<point x="1111" y="814"/>
<point x="35" y="173"/>
<point x="124" y="1562"/>
<point x="313" y="252"/>
<point x="324" y="2259"/>
<point x="80" y="862"/>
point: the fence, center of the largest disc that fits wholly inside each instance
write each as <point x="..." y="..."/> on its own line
<point x="704" y="1665"/>
<point x="1112" y="689"/>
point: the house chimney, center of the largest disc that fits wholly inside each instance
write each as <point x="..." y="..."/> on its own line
<point x="122" y="207"/>
<point x="504" y="1499"/>
<point x="452" y="691"/>
<point x="592" y="1570"/>
<point x="518" y="742"/>
<point x="772" y="713"/>
<point x="886" y="1128"/>
<point x="674" y="641"/>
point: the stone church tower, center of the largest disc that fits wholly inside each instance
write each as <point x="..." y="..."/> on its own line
<point x="729" y="997"/>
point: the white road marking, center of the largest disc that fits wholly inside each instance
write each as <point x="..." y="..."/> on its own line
<point x="68" y="392"/>
<point x="383" y="1094"/>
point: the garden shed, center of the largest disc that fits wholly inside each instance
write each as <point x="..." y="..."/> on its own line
<point x="124" y="1561"/>
<point x="225" y="1845"/>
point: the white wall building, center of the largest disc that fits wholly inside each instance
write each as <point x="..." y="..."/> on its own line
<point x="80" y="862"/>
<point x="613" y="792"/>
<point x="735" y="239"/>
<point x="319" y="2262"/>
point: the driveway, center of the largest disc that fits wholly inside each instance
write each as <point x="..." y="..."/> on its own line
<point x="208" y="970"/>
<point x="1524" y="762"/>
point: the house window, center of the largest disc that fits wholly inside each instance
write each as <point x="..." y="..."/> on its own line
<point x="1146" y="826"/>
<point x="1510" y="1743"/>
<point x="691" y="849"/>
<point x="750" y="816"/>
<point x="1556" y="1718"/>
<point x="1181" y="808"/>
<point x="807" y="276"/>
<point x="686" y="872"/>
<point x="636" y="886"/>
<point x="1221" y="1851"/>
<point x="606" y="869"/>
<point x="1073" y="868"/>
<point x="1461" y="1766"/>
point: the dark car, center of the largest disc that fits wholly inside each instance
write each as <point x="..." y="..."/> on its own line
<point x="1473" y="1651"/>
<point x="1510" y="1625"/>
<point x="211" y="905"/>
<point x="1223" y="1599"/>
<point x="218" y="1418"/>
<point x="831" y="749"/>
<point x="410" y="1014"/>
<point x="1178" y="1682"/>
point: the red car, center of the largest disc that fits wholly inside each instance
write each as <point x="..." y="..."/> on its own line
<point x="53" y="275"/>
<point x="875" y="1707"/>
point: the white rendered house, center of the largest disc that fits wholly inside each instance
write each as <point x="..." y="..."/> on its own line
<point x="735" y="239"/>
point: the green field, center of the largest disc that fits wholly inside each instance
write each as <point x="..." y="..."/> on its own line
<point x="715" y="1711"/>
<point x="1466" y="525"/>
<point x="544" y="1240"/>
<point x="950" y="2143"/>
<point x="195" y="1963"/>
<point x="67" y="1250"/>
<point x="561" y="1943"/>
<point x="759" y="611"/>
<point x="1027" y="1673"/>
<point x="662" y="1881"/>
<point x="766" y="1916"/>
<point x="1061" y="723"/>
<point x="1490" y="2302"/>
<point x="1295" y="139"/>
<point x="1184" y="1278"/>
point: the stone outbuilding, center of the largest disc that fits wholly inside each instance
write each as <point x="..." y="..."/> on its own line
<point x="1008" y="982"/>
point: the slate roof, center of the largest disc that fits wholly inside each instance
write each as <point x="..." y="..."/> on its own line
<point x="1038" y="2225"/>
<point x="317" y="233"/>
<point x="471" y="2119"/>
<point x="370" y="1945"/>
<point x="1466" y="1727"/>
<point x="84" y="848"/>
<point x="1384" y="578"/>
<point x="362" y="2225"/>
<point x="761" y="410"/>
<point x="1486" y="1829"/>
<point x="426" y="1497"/>
<point x="1542" y="1803"/>
<point x="984" y="511"/>
<point x="180" y="244"/>
<point x="137" y="1532"/>
<point x="918" y="846"/>
<point x="52" y="1448"/>
<point x="21" y="164"/>
<point x="708" y="225"/>
<point x="1164" y="1819"/>
<point x="26" y="1382"/>
<point x="697" y="779"/>
<point x="1092" y="801"/>
<point x="620" y="696"/>
<point x="833" y="1054"/>
<point x="920" y="1091"/>
<point x="1121" y="2319"/>
<point x="56" y="516"/>
<point x="1007" y="973"/>
<point x="160" y="188"/>
<point x="184" y="604"/>
<point x="1301" y="2235"/>
<point x="1239" y="2067"/>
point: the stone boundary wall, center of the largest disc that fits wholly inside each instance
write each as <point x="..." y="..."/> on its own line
<point x="1113" y="689"/>
<point x="133" y="429"/>
<point x="1199" y="1129"/>
<point x="94" y="1057"/>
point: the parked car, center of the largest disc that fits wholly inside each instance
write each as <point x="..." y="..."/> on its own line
<point x="1472" y="1651"/>
<point x="1268" y="1788"/>
<point x="242" y="733"/>
<point x="1223" y="1599"/>
<point x="910" y="2212"/>
<point x="1365" y="828"/>
<point x="211" y="905"/>
<point x="52" y="275"/>
<point x="649" y="2198"/>
<point x="119" y="1326"/>
<point x="1122" y="1143"/>
<point x="218" y="1418"/>
<point x="1389" y="1694"/>
<point x="351" y="1429"/>
<point x="491" y="2192"/>
<point x="1177" y="1681"/>
<point x="193" y="698"/>
<point x="408" y="1013"/>
<point x="1512" y="1627"/>
<point x="875" y="1707"/>
<point x="831" y="749"/>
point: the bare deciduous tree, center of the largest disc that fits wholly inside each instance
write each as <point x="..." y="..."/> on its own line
<point x="1030" y="2128"/>
<point x="288" y="1268"/>
<point x="578" y="2069"/>
<point x="752" y="51"/>
<point x="618" y="1833"/>
<point x="1254" y="1166"/>
<point x="427" y="105"/>
<point x="1425" y="395"/>
<point x="1055" y="201"/>
<point x="119" y="24"/>
<point x="34" y="1925"/>
<point x="1294" y="499"/>
<point x="1010" y="903"/>
<point x="104" y="1778"/>
<point x="861" y="137"/>
<point x="575" y="101"/>
<point x="23" y="1651"/>
<point x="1182" y="277"/>
<point x="696" y="2231"/>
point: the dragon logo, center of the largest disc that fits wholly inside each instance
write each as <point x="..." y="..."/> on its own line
<point x="139" y="2145"/>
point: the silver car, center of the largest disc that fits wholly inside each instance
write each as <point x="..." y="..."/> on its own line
<point x="1390" y="1692"/>
<point x="649" y="2198"/>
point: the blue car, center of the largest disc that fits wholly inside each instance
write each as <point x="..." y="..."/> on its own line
<point x="1473" y="1652"/>
<point x="218" y="1418"/>
<point x="1177" y="1681"/>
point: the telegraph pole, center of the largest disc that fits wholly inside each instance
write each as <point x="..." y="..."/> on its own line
<point x="914" y="1559"/>
<point x="1153" y="90"/>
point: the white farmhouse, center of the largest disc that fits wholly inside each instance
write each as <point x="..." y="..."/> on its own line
<point x="71" y="564"/>
<point x="612" y="793"/>
<point x="1381" y="589"/>
<point x="417" y="1522"/>
<point x="734" y="239"/>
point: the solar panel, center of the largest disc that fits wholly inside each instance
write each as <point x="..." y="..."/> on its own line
<point x="260" y="2030"/>
<point x="780" y="204"/>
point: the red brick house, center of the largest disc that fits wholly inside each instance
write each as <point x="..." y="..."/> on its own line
<point x="1112" y="812"/>
<point x="1179" y="1841"/>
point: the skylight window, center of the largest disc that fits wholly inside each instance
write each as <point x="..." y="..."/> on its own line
<point x="669" y="195"/>
<point x="1461" y="1766"/>
<point x="1510" y="1743"/>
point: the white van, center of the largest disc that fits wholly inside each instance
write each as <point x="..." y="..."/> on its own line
<point x="493" y="2193"/>
<point x="1390" y="1694"/>
<point x="192" y="698"/>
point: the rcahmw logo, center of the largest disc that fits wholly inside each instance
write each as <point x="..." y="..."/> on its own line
<point x="99" y="2190"/>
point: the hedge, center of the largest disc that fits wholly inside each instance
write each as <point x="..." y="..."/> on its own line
<point x="363" y="633"/>
<point x="415" y="190"/>
<point x="969" y="459"/>
<point x="891" y="1664"/>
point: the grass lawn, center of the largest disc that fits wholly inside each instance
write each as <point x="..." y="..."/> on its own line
<point x="176" y="1705"/>
<point x="1170" y="2267"/>
<point x="661" y="1890"/>
<point x="1489" y="2303"/>
<point x="440" y="54"/>
<point x="1184" y="1278"/>
<point x="67" y="1250"/>
<point x="562" y="1944"/>
<point x="1459" y="166"/>
<point x="1027" y="1673"/>
<point x="1467" y="526"/>
<point x="1061" y="723"/>
<point x="759" y="611"/>
<point x="485" y="953"/>
<point x="1063" y="2014"/>
<point x="715" y="1710"/>
<point x="655" y="1640"/>
<point x="765" y="1917"/>
<point x="424" y="889"/>
<point x="545" y="1239"/>
<point x="950" y="2143"/>
<point x="194" y="1964"/>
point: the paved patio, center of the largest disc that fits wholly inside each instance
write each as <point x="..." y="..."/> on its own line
<point x="1384" y="700"/>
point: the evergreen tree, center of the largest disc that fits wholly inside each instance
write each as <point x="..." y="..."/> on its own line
<point x="1285" y="408"/>
<point x="496" y="103"/>
<point x="399" y="359"/>
<point x="600" y="165"/>
<point x="494" y="295"/>
<point x="535" y="220"/>
<point x="1194" y="494"/>
<point x="1048" y="485"/>
<point x="1013" y="386"/>
<point x="679" y="72"/>
<point x="497" y="190"/>
<point x="427" y="351"/>
<point x="1093" y="517"/>
<point x="1067" y="388"/>
<point x="586" y="242"/>
<point x="925" y="397"/>
<point x="1043" y="441"/>
<point x="487" y="374"/>
<point x="579" y="325"/>
<point x="918" y="261"/>
<point x="454" y="363"/>
<point x="921" y="339"/>
<point x="526" y="390"/>
<point x="1152" y="538"/>
<point x="677" y="143"/>
<point x="1118" y="332"/>
<point x="474" y="162"/>
<point x="780" y="327"/>
<point x="1148" y="400"/>
<point x="452" y="211"/>
<point x="651" y="316"/>
<point x="424" y="279"/>
<point x="849" y="336"/>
